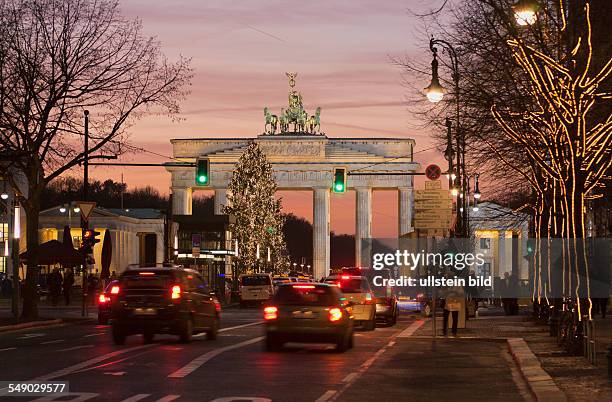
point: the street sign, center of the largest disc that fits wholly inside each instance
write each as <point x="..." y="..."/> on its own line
<point x="432" y="224"/>
<point x="433" y="184"/>
<point x="433" y="204"/>
<point x="431" y="194"/>
<point x="433" y="172"/>
<point x="434" y="214"/>
<point x="86" y="207"/>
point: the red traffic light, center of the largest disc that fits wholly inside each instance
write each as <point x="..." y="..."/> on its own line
<point x="88" y="234"/>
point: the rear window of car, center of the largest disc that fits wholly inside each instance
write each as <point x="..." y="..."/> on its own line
<point x="255" y="280"/>
<point x="110" y="285"/>
<point x="354" y="285"/>
<point x="147" y="280"/>
<point x="382" y="291"/>
<point x="305" y="296"/>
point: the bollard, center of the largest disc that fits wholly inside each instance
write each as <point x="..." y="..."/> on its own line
<point x="609" y="355"/>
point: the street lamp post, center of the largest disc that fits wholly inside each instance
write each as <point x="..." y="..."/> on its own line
<point x="435" y="93"/>
<point x="16" y="230"/>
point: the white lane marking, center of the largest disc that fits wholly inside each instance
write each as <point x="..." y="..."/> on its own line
<point x="231" y="328"/>
<point x="75" y="348"/>
<point x="96" y="334"/>
<point x="32" y="335"/>
<point x="327" y="396"/>
<point x="50" y="342"/>
<point x="136" y="397"/>
<point x="168" y="398"/>
<point x="77" y="397"/>
<point x="241" y="326"/>
<point x="391" y="343"/>
<point x="200" y="360"/>
<point x="115" y="373"/>
<point x="349" y="377"/>
<point x="408" y="332"/>
<point x="86" y="363"/>
<point x="12" y="348"/>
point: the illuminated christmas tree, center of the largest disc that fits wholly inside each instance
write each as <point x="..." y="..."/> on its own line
<point x="259" y="222"/>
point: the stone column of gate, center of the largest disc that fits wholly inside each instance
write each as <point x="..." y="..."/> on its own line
<point x="159" y="246"/>
<point x="115" y="260"/>
<point x="220" y="200"/>
<point x="181" y="200"/>
<point x="405" y="208"/>
<point x="320" y="233"/>
<point x="363" y="226"/>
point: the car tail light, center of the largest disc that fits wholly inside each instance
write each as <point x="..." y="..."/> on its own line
<point x="346" y="277"/>
<point x="217" y="306"/>
<point x="335" y="314"/>
<point x="176" y="292"/>
<point x="115" y="290"/>
<point x="270" y="313"/>
<point x="303" y="286"/>
<point x="368" y="299"/>
<point x="102" y="299"/>
<point x="146" y="273"/>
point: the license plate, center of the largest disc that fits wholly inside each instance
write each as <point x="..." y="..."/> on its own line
<point x="145" y="311"/>
<point x="303" y="314"/>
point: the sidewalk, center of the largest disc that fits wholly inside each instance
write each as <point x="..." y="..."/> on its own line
<point x="47" y="312"/>
<point x="574" y="375"/>
<point x="449" y="369"/>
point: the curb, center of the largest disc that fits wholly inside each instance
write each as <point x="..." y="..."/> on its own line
<point x="539" y="381"/>
<point x="32" y="324"/>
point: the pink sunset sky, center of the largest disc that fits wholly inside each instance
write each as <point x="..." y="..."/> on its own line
<point x="240" y="52"/>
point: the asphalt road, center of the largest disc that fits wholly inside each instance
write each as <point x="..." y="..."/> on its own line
<point x="234" y="366"/>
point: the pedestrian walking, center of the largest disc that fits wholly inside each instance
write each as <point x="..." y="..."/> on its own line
<point x="453" y="300"/>
<point x="67" y="285"/>
<point x="54" y="283"/>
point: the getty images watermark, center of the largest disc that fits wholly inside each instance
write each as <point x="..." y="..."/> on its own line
<point x="497" y="266"/>
<point x="414" y="261"/>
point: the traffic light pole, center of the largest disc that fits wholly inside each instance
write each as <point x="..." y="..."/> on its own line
<point x="84" y="310"/>
<point x="84" y="223"/>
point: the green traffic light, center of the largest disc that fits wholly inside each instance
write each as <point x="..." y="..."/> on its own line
<point x="202" y="171"/>
<point x="339" y="180"/>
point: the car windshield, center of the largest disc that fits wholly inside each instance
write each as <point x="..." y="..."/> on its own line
<point x="147" y="280"/>
<point x="256" y="280"/>
<point x="354" y="285"/>
<point x="305" y="295"/>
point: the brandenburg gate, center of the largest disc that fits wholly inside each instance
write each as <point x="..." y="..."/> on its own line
<point x="303" y="158"/>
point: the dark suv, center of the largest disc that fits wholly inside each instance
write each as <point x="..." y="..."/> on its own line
<point x="163" y="300"/>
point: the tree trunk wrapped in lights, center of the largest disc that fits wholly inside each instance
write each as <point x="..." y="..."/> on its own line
<point x="547" y="85"/>
<point x="560" y="134"/>
<point x="259" y="221"/>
